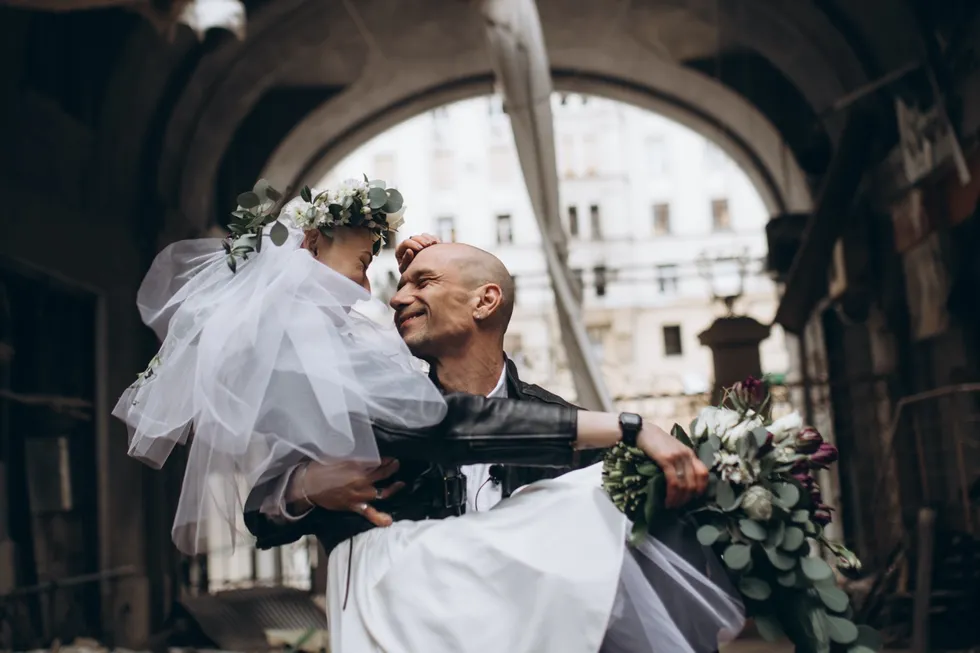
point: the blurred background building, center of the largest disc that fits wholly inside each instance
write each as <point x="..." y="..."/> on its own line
<point x="856" y="126"/>
<point x="658" y="219"/>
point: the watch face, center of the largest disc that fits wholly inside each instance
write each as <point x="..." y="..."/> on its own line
<point x="631" y="420"/>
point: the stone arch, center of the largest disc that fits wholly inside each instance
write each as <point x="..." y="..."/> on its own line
<point x="752" y="143"/>
<point x="435" y="49"/>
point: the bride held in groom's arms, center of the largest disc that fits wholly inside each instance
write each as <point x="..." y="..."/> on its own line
<point x="291" y="393"/>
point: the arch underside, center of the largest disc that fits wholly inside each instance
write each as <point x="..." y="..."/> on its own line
<point x="439" y="58"/>
<point x="385" y="66"/>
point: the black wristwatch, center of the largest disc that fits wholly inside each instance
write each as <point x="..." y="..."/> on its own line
<point x="630" y="425"/>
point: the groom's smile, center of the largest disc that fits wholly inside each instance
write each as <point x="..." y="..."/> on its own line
<point x="405" y="319"/>
<point x="434" y="304"/>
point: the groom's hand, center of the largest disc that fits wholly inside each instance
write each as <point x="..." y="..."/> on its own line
<point x="358" y="491"/>
<point x="407" y="249"/>
<point x="687" y="477"/>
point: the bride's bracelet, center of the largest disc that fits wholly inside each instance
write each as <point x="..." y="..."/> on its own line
<point x="302" y="486"/>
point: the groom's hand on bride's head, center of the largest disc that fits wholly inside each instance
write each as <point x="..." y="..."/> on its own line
<point x="358" y="491"/>
<point x="407" y="249"/>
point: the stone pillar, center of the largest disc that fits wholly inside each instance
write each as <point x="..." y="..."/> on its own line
<point x="734" y="342"/>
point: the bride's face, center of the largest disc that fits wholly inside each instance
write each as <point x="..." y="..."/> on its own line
<point x="349" y="251"/>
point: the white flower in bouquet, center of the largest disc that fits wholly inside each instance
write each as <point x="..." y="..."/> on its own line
<point x="715" y="421"/>
<point x="757" y="503"/>
<point x="785" y="427"/>
<point x="784" y="455"/>
<point x="731" y="437"/>
<point x="732" y="468"/>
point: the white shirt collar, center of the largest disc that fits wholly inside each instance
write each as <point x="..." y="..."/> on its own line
<point x="500" y="390"/>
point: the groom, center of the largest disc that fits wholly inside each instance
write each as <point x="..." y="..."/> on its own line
<point x="452" y="308"/>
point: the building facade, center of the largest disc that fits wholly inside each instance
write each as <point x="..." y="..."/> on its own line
<point x="659" y="220"/>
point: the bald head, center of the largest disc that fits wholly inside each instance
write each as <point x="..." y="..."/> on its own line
<point x="479" y="268"/>
<point x="450" y="294"/>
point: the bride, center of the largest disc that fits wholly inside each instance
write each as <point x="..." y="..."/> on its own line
<point x="269" y="358"/>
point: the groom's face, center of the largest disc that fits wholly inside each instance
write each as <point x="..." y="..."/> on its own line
<point x="434" y="303"/>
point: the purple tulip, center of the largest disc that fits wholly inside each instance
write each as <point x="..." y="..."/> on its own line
<point x="822" y="515"/>
<point x="750" y="393"/>
<point x="808" y="441"/>
<point x="825" y="456"/>
<point x="816" y="496"/>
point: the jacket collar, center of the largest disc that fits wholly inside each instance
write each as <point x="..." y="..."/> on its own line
<point x="515" y="387"/>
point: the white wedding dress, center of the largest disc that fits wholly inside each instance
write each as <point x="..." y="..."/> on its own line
<point x="275" y="362"/>
<point x="545" y="571"/>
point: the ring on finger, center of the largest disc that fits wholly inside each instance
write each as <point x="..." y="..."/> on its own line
<point x="360" y="508"/>
<point x="378" y="494"/>
<point x="679" y="471"/>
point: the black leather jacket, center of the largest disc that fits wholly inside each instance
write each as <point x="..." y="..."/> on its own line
<point x="532" y="433"/>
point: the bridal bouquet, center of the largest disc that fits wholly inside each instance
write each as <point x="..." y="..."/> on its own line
<point x="763" y="515"/>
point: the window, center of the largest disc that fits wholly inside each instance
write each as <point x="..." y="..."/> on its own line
<point x="595" y="222"/>
<point x="600" y="280"/>
<point x="505" y="232"/>
<point x="566" y="156"/>
<point x="573" y="221"/>
<point x="590" y="152"/>
<point x="385" y="168"/>
<point x="672" y="340"/>
<point x="721" y="219"/>
<point x="656" y="150"/>
<point x="446" y="229"/>
<point x="597" y="338"/>
<point x="501" y="165"/>
<point x="442" y="169"/>
<point x="577" y="278"/>
<point x="667" y="279"/>
<point x="661" y="219"/>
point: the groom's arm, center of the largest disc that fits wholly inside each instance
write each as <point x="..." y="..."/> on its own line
<point x="476" y="429"/>
<point x="480" y="429"/>
<point x="267" y="515"/>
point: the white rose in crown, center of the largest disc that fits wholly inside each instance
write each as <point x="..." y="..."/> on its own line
<point x="396" y="219"/>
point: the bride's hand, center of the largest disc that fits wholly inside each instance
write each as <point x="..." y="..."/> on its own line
<point x="687" y="477"/>
<point x="320" y="487"/>
<point x="407" y="249"/>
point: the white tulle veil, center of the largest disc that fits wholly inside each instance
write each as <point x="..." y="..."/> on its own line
<point x="262" y="368"/>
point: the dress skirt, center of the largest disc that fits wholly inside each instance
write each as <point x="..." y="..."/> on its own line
<point x="547" y="570"/>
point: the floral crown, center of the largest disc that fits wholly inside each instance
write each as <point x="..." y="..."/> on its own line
<point x="354" y="203"/>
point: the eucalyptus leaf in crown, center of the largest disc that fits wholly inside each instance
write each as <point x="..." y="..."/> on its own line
<point x="257" y="209"/>
<point x="763" y="515"/>
<point x="354" y="203"/>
